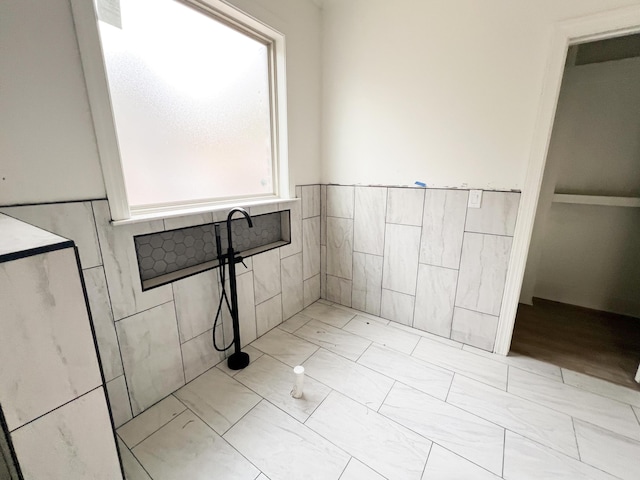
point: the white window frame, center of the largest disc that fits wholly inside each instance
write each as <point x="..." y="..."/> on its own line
<point x="86" y="24"/>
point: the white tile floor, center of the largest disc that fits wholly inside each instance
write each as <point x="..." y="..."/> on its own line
<point x="384" y="401"/>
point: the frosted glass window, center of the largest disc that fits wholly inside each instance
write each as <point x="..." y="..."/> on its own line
<point x="191" y="103"/>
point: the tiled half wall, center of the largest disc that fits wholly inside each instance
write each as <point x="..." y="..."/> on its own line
<point x="418" y="257"/>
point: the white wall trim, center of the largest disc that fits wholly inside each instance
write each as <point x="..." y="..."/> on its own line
<point x="593" y="27"/>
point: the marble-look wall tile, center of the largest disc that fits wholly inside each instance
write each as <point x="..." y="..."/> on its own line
<point x="173" y="223"/>
<point x="323" y="215"/>
<point x="311" y="247"/>
<point x="246" y="311"/>
<point x="100" y="306"/>
<point x="74" y="441"/>
<point x="266" y="275"/>
<point x="339" y="290"/>
<point x="269" y="314"/>
<point x="401" y="251"/>
<point x="151" y="354"/>
<point x="150" y="420"/>
<point x="310" y="201"/>
<point x="483" y="270"/>
<point x="119" y="401"/>
<point x="367" y="282"/>
<point x="339" y="247"/>
<point x="497" y="214"/>
<point x="473" y="328"/>
<point x="340" y="201"/>
<point x="369" y="219"/>
<point x="323" y="271"/>
<point x="72" y="220"/>
<point x="311" y="290"/>
<point x="397" y="307"/>
<point x="199" y="355"/>
<point x="435" y="297"/>
<point x="121" y="265"/>
<point x="404" y="206"/>
<point x="292" y="286"/>
<point x="295" y="209"/>
<point x="443" y="227"/>
<point x="47" y="354"/>
<point x="196" y="300"/>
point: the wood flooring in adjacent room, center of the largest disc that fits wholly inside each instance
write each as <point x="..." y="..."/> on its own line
<point x="600" y="344"/>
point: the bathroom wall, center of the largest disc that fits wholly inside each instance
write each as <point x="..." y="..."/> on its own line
<point x="152" y="342"/>
<point x="419" y="257"/>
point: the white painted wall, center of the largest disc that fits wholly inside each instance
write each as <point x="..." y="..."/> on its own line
<point x="580" y="254"/>
<point x="440" y="91"/>
<point x="47" y="143"/>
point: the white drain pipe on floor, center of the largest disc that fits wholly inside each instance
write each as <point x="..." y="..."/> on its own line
<point x="299" y="381"/>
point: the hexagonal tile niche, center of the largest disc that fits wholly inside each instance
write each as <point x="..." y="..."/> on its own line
<point x="173" y="250"/>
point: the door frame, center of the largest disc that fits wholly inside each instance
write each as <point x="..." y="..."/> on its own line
<point x="600" y="26"/>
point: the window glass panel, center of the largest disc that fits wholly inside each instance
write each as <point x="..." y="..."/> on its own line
<point x="191" y="104"/>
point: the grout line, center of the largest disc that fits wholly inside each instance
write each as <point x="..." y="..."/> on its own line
<point x="504" y="450"/>
<point x="175" y="310"/>
<point x="345" y="467"/>
<point x="134" y="456"/>
<point x="575" y="437"/>
<point x="438" y="266"/>
<point x="446" y="399"/>
<point x="164" y="424"/>
<point x="415" y="289"/>
<point x="387" y="395"/>
<point x="143" y="311"/>
<point x="426" y="462"/>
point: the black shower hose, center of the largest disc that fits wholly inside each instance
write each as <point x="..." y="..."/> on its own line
<point x="223" y="299"/>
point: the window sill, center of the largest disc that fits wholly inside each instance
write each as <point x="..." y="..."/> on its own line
<point x="148" y="217"/>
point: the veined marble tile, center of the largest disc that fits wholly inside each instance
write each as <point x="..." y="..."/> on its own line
<point x="323" y="272"/>
<point x="246" y="310"/>
<point x="333" y="339"/>
<point x="353" y="380"/>
<point x="72" y="220"/>
<point x="197" y="299"/>
<point x="253" y="353"/>
<point x="340" y="201"/>
<point x="292" y="286"/>
<point x="360" y="313"/>
<point x="121" y="265"/>
<point x="311" y="247"/>
<point x="474" y="328"/>
<point x="269" y="314"/>
<point x="401" y="250"/>
<point x="294" y="323"/>
<point x="615" y="454"/>
<point x="601" y="387"/>
<point x="18" y="236"/>
<point x="173" y="223"/>
<point x="408" y="370"/>
<point x="435" y="297"/>
<point x="527" y="460"/>
<point x="132" y="468"/>
<point x="323" y="214"/>
<point x="283" y="448"/>
<point x="483" y="270"/>
<point x="330" y="315"/>
<point x="273" y="380"/>
<point x="187" y="448"/>
<point x="465" y="363"/>
<point x="339" y="247"/>
<point x="310" y="201"/>
<point x="383" y="334"/>
<point x="285" y="347"/>
<point x="46" y="344"/>
<point x="311" y="290"/>
<point x="604" y="412"/>
<point x="397" y="307"/>
<point x="151" y="355"/>
<point x="219" y="400"/>
<point x="339" y="290"/>
<point x="534" y="421"/>
<point x="119" y="401"/>
<point x="151" y="420"/>
<point x="199" y="355"/>
<point x="264" y="209"/>
<point x="74" y="441"/>
<point x="390" y="449"/>
<point x="356" y="470"/>
<point x="445" y="465"/>
<point x="404" y="206"/>
<point x="497" y="214"/>
<point x="100" y="306"/>
<point x="295" y="212"/>
<point x="463" y="433"/>
<point x="266" y="275"/>
<point x="430" y="336"/>
<point x="369" y="220"/>
<point x="520" y="361"/>
<point x="367" y="283"/>
<point x="443" y="227"/>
